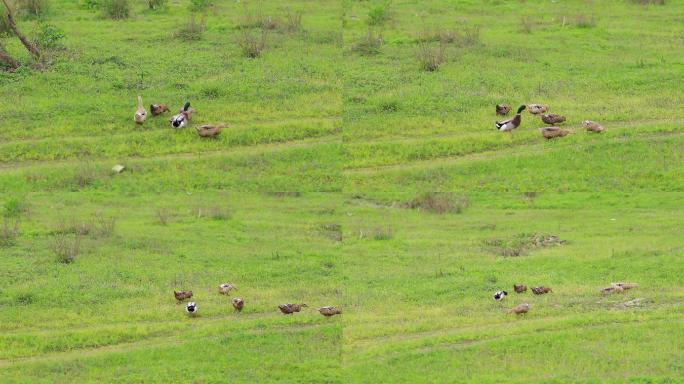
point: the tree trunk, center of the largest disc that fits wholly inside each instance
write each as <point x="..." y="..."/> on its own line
<point x="7" y="59"/>
<point x="29" y="46"/>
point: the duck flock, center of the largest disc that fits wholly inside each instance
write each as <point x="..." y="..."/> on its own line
<point x="184" y="116"/>
<point x="180" y="120"/>
<point x="239" y="303"/>
<point x="523" y="308"/>
<point x="553" y="119"/>
<point x="290" y="308"/>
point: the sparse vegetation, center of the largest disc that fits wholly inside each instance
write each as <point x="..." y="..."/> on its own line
<point x="9" y="231"/>
<point x="192" y="29"/>
<point x="156" y="4"/>
<point x="67" y="247"/>
<point x="431" y="57"/>
<point x="438" y="202"/>
<point x="252" y="44"/>
<point x="116" y="9"/>
<point x="370" y="44"/>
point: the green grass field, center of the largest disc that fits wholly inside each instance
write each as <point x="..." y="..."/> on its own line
<point x="349" y="176"/>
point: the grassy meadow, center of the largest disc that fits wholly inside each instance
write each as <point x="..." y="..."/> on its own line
<point x="349" y="175"/>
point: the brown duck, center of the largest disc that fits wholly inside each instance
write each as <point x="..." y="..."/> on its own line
<point x="158" y="109"/>
<point x="238" y="303"/>
<point x="519" y="288"/>
<point x="592" y="126"/>
<point x="541" y="290"/>
<point x="553" y="132"/>
<point x="537" y="109"/>
<point x="226" y="287"/>
<point x="552" y="118"/>
<point x="612" y="289"/>
<point x="182" y="295"/>
<point x="503" y="109"/>
<point x="329" y="311"/>
<point x="289" y="309"/>
<point x="520" y="309"/>
<point x="625" y="286"/>
<point x="209" y="130"/>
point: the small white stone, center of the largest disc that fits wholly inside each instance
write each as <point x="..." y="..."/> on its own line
<point x="118" y="168"/>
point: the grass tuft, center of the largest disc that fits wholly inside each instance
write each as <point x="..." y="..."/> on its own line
<point x="251" y="43"/>
<point x="116" y="9"/>
<point x="67" y="247"/>
<point x="370" y="44"/>
<point x="9" y="231"/>
<point x="431" y="57"/>
<point x="193" y="29"/>
<point x="438" y="202"/>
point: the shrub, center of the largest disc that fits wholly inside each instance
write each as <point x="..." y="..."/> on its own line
<point x="332" y="231"/>
<point x="75" y="227"/>
<point x="14" y="207"/>
<point x="383" y="233"/>
<point x="32" y="7"/>
<point x="49" y="36"/>
<point x="438" y="202"/>
<point x="293" y="22"/>
<point x="91" y="4"/>
<point x="252" y="44"/>
<point x="105" y="225"/>
<point x="582" y="21"/>
<point x="200" y="5"/>
<point x="192" y="30"/>
<point x="379" y="13"/>
<point x="9" y="231"/>
<point x="369" y="44"/>
<point x="156" y="4"/>
<point x="163" y="216"/>
<point x="116" y="9"/>
<point x="67" y="247"/>
<point x="527" y="25"/>
<point x="431" y="57"/>
<point x="84" y="175"/>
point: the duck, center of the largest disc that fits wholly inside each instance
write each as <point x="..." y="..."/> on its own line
<point x="502" y="109"/>
<point x="182" y="295"/>
<point x="519" y="288"/>
<point x="537" y="109"/>
<point x="183" y="117"/>
<point x="541" y="290"/>
<point x="520" y="309"/>
<point x="329" y="311"/>
<point x="553" y="132"/>
<point x="511" y="124"/>
<point x="500" y="295"/>
<point x="625" y="286"/>
<point x="238" y="303"/>
<point x="140" y="113"/>
<point x="209" y="130"/>
<point x="612" y="289"/>
<point x="226" y="287"/>
<point x="552" y="118"/>
<point x="289" y="309"/>
<point x="158" y="109"/>
<point x="191" y="309"/>
<point x="592" y="126"/>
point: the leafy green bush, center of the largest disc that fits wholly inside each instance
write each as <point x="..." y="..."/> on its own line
<point x="379" y="13"/>
<point x="49" y="36"/>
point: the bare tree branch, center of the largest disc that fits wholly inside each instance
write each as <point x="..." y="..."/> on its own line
<point x="29" y="46"/>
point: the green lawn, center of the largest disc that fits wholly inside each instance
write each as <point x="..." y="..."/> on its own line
<point x="347" y="176"/>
